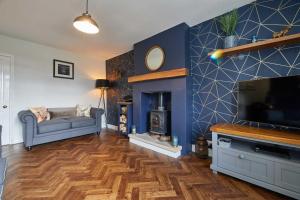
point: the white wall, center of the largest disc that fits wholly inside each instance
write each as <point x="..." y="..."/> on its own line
<point x="34" y="84"/>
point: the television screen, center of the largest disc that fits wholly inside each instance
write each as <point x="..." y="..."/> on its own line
<point x="273" y="101"/>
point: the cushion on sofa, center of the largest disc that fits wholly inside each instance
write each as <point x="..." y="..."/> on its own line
<point x="53" y="125"/>
<point x="40" y="113"/>
<point x="83" y="110"/>
<point x="62" y="114"/>
<point x="78" y="122"/>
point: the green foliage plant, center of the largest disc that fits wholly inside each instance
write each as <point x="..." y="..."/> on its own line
<point x="229" y="22"/>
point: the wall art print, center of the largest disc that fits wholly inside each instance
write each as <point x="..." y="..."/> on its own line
<point x="63" y="69"/>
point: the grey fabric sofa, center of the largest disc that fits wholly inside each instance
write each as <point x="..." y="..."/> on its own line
<point x="35" y="133"/>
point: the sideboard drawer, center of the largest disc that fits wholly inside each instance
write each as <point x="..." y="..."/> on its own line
<point x="288" y="176"/>
<point x="246" y="164"/>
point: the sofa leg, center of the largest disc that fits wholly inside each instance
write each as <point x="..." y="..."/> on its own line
<point x="98" y="133"/>
<point x="29" y="148"/>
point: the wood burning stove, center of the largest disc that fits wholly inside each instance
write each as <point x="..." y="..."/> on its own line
<point x="159" y="118"/>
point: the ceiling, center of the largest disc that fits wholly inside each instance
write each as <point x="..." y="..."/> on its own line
<point x="122" y="22"/>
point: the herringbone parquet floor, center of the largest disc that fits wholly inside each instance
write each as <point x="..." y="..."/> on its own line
<point x="109" y="167"/>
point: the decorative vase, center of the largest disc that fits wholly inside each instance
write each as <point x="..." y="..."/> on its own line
<point x="133" y="129"/>
<point x="230" y="41"/>
<point x="174" y="141"/>
<point x="254" y="38"/>
<point x="201" y="147"/>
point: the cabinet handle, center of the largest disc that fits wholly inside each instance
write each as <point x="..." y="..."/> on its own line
<point x="241" y="156"/>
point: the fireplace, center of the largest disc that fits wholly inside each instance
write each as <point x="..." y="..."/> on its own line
<point x="159" y="118"/>
<point x="173" y="79"/>
<point x="176" y="109"/>
<point x="158" y="122"/>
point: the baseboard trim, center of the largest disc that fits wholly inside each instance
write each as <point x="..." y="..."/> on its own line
<point x="113" y="127"/>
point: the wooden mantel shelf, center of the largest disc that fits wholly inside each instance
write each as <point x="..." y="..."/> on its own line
<point x="284" y="137"/>
<point x="289" y="39"/>
<point x="174" y="73"/>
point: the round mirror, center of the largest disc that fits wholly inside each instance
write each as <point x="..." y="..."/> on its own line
<point x="155" y="58"/>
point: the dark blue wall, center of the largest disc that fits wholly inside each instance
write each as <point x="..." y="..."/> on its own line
<point x="174" y="43"/>
<point x="214" y="85"/>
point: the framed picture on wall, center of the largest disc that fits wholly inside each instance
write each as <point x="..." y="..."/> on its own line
<point x="63" y="69"/>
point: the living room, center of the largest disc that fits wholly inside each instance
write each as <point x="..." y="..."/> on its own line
<point x="106" y="100"/>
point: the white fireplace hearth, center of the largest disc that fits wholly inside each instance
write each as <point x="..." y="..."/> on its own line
<point x="154" y="144"/>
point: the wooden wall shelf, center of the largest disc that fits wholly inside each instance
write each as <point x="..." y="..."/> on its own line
<point x="174" y="73"/>
<point x="285" y="137"/>
<point x="289" y="39"/>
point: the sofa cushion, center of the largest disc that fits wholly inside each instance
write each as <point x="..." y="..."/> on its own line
<point x="78" y="122"/>
<point x="83" y="110"/>
<point x="62" y="114"/>
<point x="40" y="113"/>
<point x="53" y="125"/>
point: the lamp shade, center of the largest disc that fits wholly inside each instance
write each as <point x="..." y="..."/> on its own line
<point x="102" y="83"/>
<point x="86" y="24"/>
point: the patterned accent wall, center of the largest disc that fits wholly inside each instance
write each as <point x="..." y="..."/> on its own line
<point x="214" y="85"/>
<point x="117" y="71"/>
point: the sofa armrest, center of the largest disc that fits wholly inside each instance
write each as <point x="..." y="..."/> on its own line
<point x="29" y="123"/>
<point x="26" y="115"/>
<point x="97" y="113"/>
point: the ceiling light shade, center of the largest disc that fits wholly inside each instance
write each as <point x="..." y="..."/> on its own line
<point x="85" y="22"/>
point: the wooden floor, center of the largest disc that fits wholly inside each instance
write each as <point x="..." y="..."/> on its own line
<point x="109" y="167"/>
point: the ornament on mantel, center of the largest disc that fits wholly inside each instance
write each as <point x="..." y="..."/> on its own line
<point x="283" y="32"/>
<point x="254" y="38"/>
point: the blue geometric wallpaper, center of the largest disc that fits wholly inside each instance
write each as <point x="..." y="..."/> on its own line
<point x="214" y="85"/>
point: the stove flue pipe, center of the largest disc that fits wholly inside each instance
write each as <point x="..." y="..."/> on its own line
<point x="161" y="101"/>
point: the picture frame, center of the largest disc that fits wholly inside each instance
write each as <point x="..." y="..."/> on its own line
<point x="63" y="69"/>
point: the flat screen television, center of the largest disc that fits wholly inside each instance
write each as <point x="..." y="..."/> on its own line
<point x="272" y="100"/>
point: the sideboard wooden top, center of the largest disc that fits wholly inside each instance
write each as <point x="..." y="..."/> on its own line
<point x="285" y="137"/>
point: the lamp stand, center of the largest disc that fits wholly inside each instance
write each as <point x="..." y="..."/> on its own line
<point x="102" y="99"/>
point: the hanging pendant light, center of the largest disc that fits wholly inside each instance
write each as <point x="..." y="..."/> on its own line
<point x="85" y="22"/>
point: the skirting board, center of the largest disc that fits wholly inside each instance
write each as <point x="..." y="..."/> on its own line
<point x="113" y="127"/>
<point x="155" y="148"/>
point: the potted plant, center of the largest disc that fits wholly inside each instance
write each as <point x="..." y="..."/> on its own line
<point x="228" y="24"/>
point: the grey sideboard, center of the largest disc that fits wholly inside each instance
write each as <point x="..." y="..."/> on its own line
<point x="242" y="159"/>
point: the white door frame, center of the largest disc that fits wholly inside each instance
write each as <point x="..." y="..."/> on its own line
<point x="11" y="97"/>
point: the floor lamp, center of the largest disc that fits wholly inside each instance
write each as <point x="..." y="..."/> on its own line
<point x="102" y="84"/>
